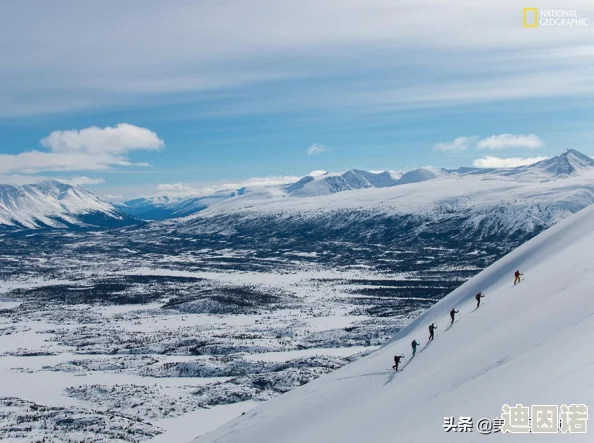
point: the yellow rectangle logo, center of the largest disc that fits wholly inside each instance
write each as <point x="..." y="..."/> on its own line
<point x="530" y="17"/>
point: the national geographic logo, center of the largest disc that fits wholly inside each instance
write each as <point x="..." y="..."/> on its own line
<point x="533" y="18"/>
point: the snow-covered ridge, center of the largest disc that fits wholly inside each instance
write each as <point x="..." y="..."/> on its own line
<point x="517" y="202"/>
<point x="163" y="206"/>
<point x="56" y="205"/>
<point x="316" y="185"/>
<point x="527" y="344"/>
<point x="375" y="187"/>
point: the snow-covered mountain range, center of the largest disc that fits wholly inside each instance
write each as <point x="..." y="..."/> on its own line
<point x="569" y="164"/>
<point x="460" y="205"/>
<point x="525" y="345"/>
<point x="266" y="289"/>
<point x="487" y="201"/>
<point x="162" y="206"/>
<point x="328" y="183"/>
<point x="53" y="204"/>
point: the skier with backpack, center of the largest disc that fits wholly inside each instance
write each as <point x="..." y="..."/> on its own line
<point x="414" y="345"/>
<point x="517" y="278"/>
<point x="432" y="328"/>
<point x="453" y="313"/>
<point x="478" y="298"/>
<point x="397" y="359"/>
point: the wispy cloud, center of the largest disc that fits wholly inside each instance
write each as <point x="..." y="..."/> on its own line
<point x="89" y="149"/>
<point x="176" y="189"/>
<point x="283" y="41"/>
<point x="498" y="162"/>
<point x="316" y="149"/>
<point x="457" y="145"/>
<point x="503" y="141"/>
<point x="86" y="181"/>
<point x="188" y="189"/>
<point x="17" y="179"/>
<point x="494" y="142"/>
<point x="117" y="198"/>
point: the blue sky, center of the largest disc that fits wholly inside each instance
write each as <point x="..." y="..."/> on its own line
<point x="193" y="94"/>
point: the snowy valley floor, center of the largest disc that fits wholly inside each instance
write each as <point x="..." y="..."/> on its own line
<point x="104" y="346"/>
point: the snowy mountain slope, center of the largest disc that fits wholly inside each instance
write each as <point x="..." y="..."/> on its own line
<point x="469" y="207"/>
<point x="570" y="163"/>
<point x="56" y="205"/>
<point x="329" y="183"/>
<point x="528" y="344"/>
<point x="155" y="207"/>
<point x="421" y="175"/>
<point x="191" y="205"/>
<point x="160" y="207"/>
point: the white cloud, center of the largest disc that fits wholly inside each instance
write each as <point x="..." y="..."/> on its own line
<point x="84" y="181"/>
<point x="16" y="179"/>
<point x="267" y="181"/>
<point x="89" y="149"/>
<point x="318" y="173"/>
<point x="176" y="190"/>
<point x="316" y="149"/>
<point x="457" y="145"/>
<point x="497" y="162"/>
<point x="119" y="139"/>
<point x="118" y="198"/>
<point x="503" y="141"/>
<point x="186" y="190"/>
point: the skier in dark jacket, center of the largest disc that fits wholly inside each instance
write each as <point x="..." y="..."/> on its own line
<point x="432" y="328"/>
<point x="453" y="313"/>
<point x="517" y="277"/>
<point x="414" y="345"/>
<point x="397" y="359"/>
<point x="478" y="298"/>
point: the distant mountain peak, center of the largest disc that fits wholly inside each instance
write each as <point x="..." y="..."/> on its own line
<point x="421" y="175"/>
<point x="569" y="162"/>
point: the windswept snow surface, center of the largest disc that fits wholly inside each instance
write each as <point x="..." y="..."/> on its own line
<point x="530" y="344"/>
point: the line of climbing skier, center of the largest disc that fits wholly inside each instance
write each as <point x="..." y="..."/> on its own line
<point x="453" y="312"/>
